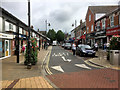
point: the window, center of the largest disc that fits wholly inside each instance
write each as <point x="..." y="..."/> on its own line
<point x="1" y="24"/>
<point x="87" y="29"/>
<point x="10" y="27"/>
<point x="91" y="28"/>
<point x="98" y="26"/>
<point x="6" y="26"/>
<point x="112" y="21"/>
<point x="89" y="17"/>
<point x="103" y="24"/>
<point x="14" y="28"/>
<point x="20" y="30"/>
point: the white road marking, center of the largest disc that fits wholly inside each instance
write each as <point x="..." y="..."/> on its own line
<point x="68" y="60"/>
<point x="64" y="54"/>
<point x="67" y="54"/>
<point x="64" y="58"/>
<point x="83" y="66"/>
<point x="53" y="54"/>
<point x="58" y="68"/>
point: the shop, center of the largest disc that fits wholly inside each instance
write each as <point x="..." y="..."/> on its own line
<point x="5" y="45"/>
<point x="100" y="38"/>
<point x="90" y="40"/>
<point x="111" y="32"/>
<point x="83" y="39"/>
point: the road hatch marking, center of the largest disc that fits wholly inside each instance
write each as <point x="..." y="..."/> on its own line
<point x="82" y="66"/>
<point x="58" y="68"/>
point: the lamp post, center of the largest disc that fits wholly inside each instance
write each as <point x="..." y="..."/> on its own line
<point x="75" y="28"/>
<point x="29" y="56"/>
<point x="46" y="25"/>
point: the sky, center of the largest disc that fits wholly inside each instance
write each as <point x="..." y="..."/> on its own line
<point x="61" y="14"/>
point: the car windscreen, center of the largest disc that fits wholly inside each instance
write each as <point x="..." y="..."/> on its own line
<point x="68" y="44"/>
<point x="86" y="47"/>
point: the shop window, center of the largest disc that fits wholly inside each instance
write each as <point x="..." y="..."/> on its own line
<point x="112" y="21"/>
<point x="89" y="17"/>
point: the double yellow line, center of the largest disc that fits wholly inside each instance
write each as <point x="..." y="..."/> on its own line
<point x="47" y="68"/>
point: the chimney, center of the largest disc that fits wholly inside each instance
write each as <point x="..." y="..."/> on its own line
<point x="81" y="22"/>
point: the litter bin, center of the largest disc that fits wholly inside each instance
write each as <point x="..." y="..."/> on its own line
<point x="115" y="57"/>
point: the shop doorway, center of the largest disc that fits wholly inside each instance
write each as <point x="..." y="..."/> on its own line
<point x="6" y="47"/>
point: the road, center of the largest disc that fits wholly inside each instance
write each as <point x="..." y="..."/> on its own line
<point x="62" y="61"/>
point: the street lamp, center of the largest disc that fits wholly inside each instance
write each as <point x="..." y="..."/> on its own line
<point x="46" y="25"/>
<point x="29" y="56"/>
<point x="75" y="28"/>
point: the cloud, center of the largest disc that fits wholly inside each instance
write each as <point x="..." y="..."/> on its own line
<point x="60" y="13"/>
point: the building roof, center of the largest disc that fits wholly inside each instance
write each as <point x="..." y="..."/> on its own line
<point x="102" y="9"/>
<point x="108" y="14"/>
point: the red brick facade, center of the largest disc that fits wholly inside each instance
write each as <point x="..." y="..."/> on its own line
<point x="89" y="23"/>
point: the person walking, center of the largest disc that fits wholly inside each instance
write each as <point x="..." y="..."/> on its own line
<point x="96" y="46"/>
<point x="23" y="49"/>
<point x="74" y="48"/>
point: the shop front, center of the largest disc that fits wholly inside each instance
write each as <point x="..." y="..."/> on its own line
<point x="100" y="38"/>
<point x="5" y="45"/>
<point x="112" y="31"/>
<point x="90" y="40"/>
<point x="83" y="39"/>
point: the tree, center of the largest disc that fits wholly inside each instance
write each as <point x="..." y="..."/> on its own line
<point x="60" y="36"/>
<point x="52" y="35"/>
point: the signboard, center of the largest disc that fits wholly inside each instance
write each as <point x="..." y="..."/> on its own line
<point x="113" y="31"/>
<point x="8" y="36"/>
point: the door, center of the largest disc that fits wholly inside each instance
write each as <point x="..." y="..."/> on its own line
<point x="6" y="47"/>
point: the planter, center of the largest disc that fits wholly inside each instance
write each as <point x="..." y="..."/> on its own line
<point x="115" y="57"/>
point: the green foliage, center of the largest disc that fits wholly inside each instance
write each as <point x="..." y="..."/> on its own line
<point x="60" y="36"/>
<point x="115" y="43"/>
<point x="33" y="52"/>
<point x="52" y="35"/>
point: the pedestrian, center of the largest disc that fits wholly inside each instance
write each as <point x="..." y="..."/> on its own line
<point x="105" y="46"/>
<point x="96" y="46"/>
<point x="23" y="49"/>
<point x="42" y="45"/>
<point x="108" y="44"/>
<point x="74" y="48"/>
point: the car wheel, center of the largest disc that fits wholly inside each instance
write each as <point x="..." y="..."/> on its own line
<point x="81" y="54"/>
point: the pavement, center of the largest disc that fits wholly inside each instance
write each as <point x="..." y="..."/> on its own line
<point x="101" y="60"/>
<point x="13" y="74"/>
<point x="16" y="75"/>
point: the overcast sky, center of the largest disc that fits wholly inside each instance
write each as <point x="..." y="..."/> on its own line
<point x="61" y="14"/>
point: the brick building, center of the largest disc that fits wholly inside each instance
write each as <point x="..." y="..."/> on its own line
<point x="93" y="13"/>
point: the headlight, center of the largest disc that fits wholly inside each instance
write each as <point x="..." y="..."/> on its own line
<point x="84" y="51"/>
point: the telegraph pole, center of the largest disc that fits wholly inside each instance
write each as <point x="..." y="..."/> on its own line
<point x="29" y="56"/>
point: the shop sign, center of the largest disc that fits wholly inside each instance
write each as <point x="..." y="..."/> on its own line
<point x="101" y="32"/>
<point x="6" y="36"/>
<point x="113" y="31"/>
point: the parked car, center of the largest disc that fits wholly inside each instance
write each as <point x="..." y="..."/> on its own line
<point x="67" y="46"/>
<point x="85" y="50"/>
<point x="63" y="45"/>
